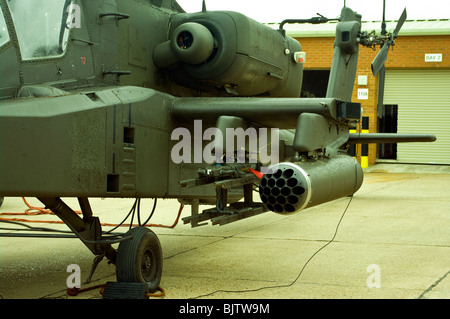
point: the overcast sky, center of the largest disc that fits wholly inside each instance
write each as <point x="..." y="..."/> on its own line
<point x="278" y="10"/>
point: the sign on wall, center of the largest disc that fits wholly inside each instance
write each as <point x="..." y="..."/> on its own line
<point x="363" y="94"/>
<point x="433" y="57"/>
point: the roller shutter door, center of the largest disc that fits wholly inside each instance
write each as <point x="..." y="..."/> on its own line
<point x="423" y="99"/>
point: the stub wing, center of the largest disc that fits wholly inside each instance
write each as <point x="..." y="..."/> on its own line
<point x="367" y="138"/>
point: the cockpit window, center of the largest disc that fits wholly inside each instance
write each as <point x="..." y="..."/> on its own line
<point x="4" y="35"/>
<point x="41" y="27"/>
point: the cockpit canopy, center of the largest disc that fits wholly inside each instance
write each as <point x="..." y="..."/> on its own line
<point x="42" y="27"/>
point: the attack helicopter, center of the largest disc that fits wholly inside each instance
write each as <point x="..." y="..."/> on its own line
<point x="140" y="99"/>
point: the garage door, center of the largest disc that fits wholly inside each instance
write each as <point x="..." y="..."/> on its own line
<point x="423" y="99"/>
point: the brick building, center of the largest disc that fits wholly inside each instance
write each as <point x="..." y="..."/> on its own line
<point x="417" y="87"/>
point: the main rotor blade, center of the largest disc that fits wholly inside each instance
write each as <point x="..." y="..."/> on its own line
<point x="400" y="22"/>
<point x="380" y="59"/>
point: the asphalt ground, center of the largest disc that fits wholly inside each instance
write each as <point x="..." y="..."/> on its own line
<point x="390" y="241"/>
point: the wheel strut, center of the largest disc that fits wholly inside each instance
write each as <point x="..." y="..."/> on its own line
<point x="139" y="257"/>
<point x="87" y="229"/>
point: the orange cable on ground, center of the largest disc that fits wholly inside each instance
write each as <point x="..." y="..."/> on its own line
<point x="75" y="291"/>
<point x="176" y="220"/>
<point x="33" y="211"/>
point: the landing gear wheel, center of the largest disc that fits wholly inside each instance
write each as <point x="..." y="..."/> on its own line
<point x="140" y="259"/>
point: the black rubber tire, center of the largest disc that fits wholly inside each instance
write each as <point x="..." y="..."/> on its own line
<point x="140" y="259"/>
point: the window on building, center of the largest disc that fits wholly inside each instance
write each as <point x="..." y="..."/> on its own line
<point x="388" y="124"/>
<point x="4" y="35"/>
<point x="41" y="27"/>
<point x="315" y="83"/>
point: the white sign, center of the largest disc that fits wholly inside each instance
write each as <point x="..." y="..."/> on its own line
<point x="362" y="79"/>
<point x="433" y="57"/>
<point x="363" y="94"/>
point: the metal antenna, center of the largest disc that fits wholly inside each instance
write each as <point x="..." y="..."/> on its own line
<point x="383" y="23"/>
<point x="203" y="6"/>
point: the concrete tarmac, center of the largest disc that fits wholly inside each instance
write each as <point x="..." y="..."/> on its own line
<point x="392" y="241"/>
